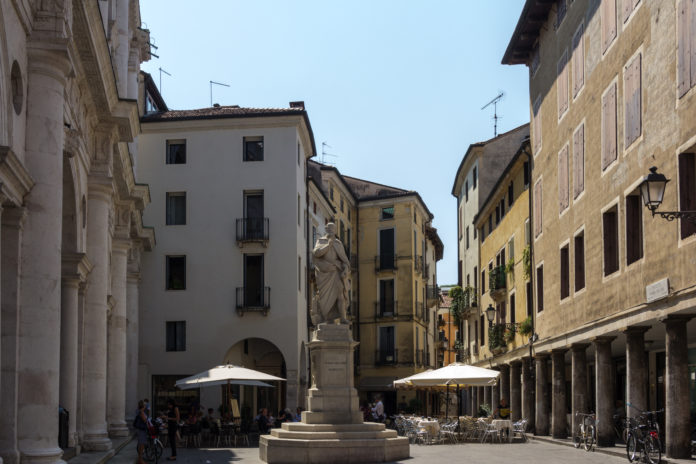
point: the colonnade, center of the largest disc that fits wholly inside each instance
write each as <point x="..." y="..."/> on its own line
<point x="535" y="386"/>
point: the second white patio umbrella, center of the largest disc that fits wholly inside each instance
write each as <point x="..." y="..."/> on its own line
<point x="459" y="374"/>
<point x="226" y="374"/>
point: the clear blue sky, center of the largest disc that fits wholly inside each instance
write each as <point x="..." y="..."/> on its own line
<point x="394" y="86"/>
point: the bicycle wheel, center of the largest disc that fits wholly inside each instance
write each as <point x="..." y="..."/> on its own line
<point x="589" y="437"/>
<point x="652" y="449"/>
<point x="631" y="447"/>
<point x="577" y="437"/>
<point x="149" y="452"/>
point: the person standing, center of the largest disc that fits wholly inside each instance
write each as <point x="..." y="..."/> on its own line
<point x="173" y="419"/>
<point x="378" y="410"/>
<point x="140" y="426"/>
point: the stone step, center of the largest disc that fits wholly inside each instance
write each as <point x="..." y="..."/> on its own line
<point x="368" y="435"/>
<point x="302" y="427"/>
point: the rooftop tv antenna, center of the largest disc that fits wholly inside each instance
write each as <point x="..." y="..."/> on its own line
<point x="324" y="153"/>
<point x="165" y="72"/>
<point x="211" y="90"/>
<point x="494" y="102"/>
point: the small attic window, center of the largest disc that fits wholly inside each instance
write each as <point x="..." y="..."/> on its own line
<point x="388" y="213"/>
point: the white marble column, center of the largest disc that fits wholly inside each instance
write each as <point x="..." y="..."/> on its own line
<point x="39" y="335"/>
<point x="75" y="270"/>
<point x="116" y="363"/>
<point x="95" y="435"/>
<point x="133" y="282"/>
<point x="12" y="223"/>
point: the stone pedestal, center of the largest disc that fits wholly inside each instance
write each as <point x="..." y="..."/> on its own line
<point x="332" y="429"/>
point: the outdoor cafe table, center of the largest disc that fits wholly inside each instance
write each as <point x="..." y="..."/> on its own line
<point x="432" y="427"/>
<point x="503" y="424"/>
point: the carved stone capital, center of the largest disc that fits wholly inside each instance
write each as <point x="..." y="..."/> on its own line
<point x="71" y="142"/>
<point x="75" y="266"/>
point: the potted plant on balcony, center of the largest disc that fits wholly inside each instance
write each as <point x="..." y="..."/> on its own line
<point x="509" y="334"/>
<point x="526" y="327"/>
<point x="457" y="307"/>
<point x="510" y="268"/>
<point x="496" y="341"/>
<point x="527" y="262"/>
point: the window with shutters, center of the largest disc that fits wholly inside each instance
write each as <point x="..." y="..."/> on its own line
<point x="686" y="47"/>
<point x="562" y="84"/>
<point x="579" y="245"/>
<point x="512" y="309"/>
<point x="632" y="101"/>
<point x="536" y="60"/>
<point x="610" y="233"/>
<point x="473" y="177"/>
<point x="627" y="8"/>
<point x="482" y="326"/>
<point x="609" y="126"/>
<point x="466" y="190"/>
<point x="530" y="299"/>
<point x="687" y="191"/>
<point x="526" y="174"/>
<point x="483" y="281"/>
<point x="563" y="179"/>
<point x="537" y="209"/>
<point x="579" y="161"/>
<point x="540" y="288"/>
<point x="565" y="272"/>
<point x="634" y="228"/>
<point x="536" y="124"/>
<point x="561" y="9"/>
<point x="253" y="149"/>
<point x="511" y="193"/>
<point x="175" y="268"/>
<point x="176" y="151"/>
<point x="578" y="60"/>
<point x="467" y="237"/>
<point x="608" y="12"/>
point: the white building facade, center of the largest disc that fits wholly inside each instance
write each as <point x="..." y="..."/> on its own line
<point x="227" y="282"/>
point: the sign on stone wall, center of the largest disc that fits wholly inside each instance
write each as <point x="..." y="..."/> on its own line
<point x="657" y="290"/>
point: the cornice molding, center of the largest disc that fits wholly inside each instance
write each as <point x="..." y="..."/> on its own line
<point x="15" y="181"/>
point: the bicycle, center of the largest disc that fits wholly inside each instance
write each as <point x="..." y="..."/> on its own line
<point x="153" y="448"/>
<point x="644" y="439"/>
<point x="586" y="433"/>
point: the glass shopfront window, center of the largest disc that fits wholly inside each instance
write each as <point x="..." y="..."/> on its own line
<point x="163" y="388"/>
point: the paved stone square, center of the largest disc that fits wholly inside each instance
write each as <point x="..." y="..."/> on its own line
<point x="518" y="453"/>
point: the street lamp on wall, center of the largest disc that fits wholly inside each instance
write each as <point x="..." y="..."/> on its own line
<point x="490" y="313"/>
<point x="652" y="189"/>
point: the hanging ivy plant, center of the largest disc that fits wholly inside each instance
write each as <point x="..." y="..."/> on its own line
<point x="527" y="262"/>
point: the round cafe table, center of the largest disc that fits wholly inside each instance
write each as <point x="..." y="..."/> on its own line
<point x="503" y="424"/>
<point x="431" y="427"/>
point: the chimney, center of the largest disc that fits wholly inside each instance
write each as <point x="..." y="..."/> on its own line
<point x="297" y="104"/>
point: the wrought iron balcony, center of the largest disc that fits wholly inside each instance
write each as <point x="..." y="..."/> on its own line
<point x="253" y="300"/>
<point x="470" y="297"/>
<point x="432" y="294"/>
<point x="498" y="284"/>
<point x="252" y="230"/>
<point x="499" y="335"/>
<point x="386" y="358"/>
<point x="386" y="308"/>
<point x="385" y="262"/>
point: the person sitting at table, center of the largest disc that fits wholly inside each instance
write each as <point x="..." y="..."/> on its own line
<point x="262" y="420"/>
<point x="211" y="419"/>
<point x="503" y="411"/>
<point x="298" y="415"/>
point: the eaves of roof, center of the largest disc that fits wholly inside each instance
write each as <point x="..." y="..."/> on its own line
<point x="532" y="19"/>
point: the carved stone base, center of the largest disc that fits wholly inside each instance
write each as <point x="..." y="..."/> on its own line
<point x="332" y="429"/>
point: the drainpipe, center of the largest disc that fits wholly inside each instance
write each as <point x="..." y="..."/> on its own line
<point x="531" y="247"/>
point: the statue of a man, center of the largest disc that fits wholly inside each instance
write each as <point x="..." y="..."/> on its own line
<point x="332" y="272"/>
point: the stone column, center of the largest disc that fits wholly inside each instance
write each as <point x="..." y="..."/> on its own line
<point x="116" y="362"/>
<point x="480" y="398"/>
<point x="604" y="390"/>
<point x="505" y="382"/>
<point x="542" y="395"/>
<point x="75" y="270"/>
<point x="132" y="288"/>
<point x="11" y="244"/>
<point x="677" y="420"/>
<point x="636" y="370"/>
<point x="515" y="391"/>
<point x="39" y="336"/>
<point x="528" y="393"/>
<point x="579" y="398"/>
<point x="559" y="422"/>
<point x="487" y="395"/>
<point x="95" y="316"/>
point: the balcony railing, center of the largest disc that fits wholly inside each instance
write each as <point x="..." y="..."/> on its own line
<point x="386" y="308"/>
<point x="432" y="293"/>
<point x="385" y="262"/>
<point x="499" y="335"/>
<point x="253" y="299"/>
<point x="497" y="280"/>
<point x="386" y="358"/>
<point x="252" y="230"/>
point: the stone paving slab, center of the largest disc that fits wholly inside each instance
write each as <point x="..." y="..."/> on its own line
<point x="533" y="452"/>
<point x="100" y="457"/>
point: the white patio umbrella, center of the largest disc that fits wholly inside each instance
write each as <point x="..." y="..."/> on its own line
<point x="226" y="374"/>
<point x="458" y="374"/>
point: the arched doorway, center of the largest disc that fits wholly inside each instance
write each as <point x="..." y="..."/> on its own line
<point x="263" y="356"/>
